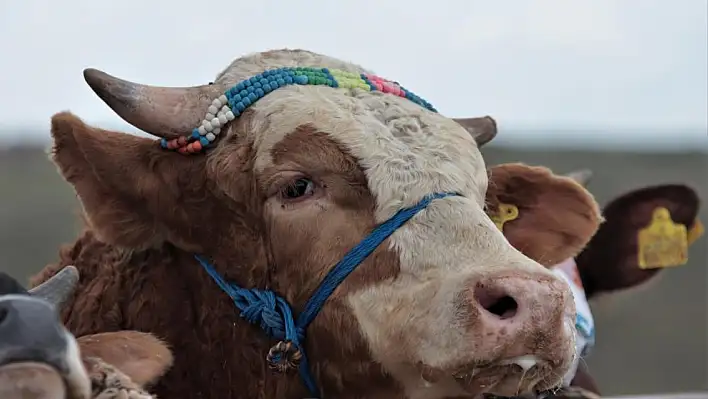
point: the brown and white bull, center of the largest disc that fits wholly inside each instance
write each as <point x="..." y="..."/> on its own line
<point x="444" y="307"/>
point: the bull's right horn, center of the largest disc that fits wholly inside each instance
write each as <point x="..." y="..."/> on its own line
<point x="483" y="129"/>
<point x="167" y="112"/>
<point x="58" y="288"/>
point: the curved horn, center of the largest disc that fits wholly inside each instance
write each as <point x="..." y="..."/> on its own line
<point x="58" y="288"/>
<point x="483" y="129"/>
<point x="582" y="176"/>
<point x="167" y="112"/>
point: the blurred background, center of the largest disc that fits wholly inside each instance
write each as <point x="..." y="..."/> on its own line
<point x="617" y="87"/>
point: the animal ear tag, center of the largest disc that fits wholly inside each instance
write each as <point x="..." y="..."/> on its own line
<point x="696" y="231"/>
<point x="505" y="213"/>
<point x="663" y="243"/>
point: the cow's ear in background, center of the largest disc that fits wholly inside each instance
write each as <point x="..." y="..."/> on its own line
<point x="645" y="231"/>
<point x="582" y="176"/>
<point x="548" y="217"/>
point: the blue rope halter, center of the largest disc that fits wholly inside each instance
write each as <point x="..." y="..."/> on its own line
<point x="274" y="314"/>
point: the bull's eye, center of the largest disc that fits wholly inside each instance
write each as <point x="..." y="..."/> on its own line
<point x="298" y="189"/>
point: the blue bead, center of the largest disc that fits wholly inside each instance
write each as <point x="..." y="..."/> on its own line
<point x="236" y="98"/>
<point x="280" y="81"/>
<point x="253" y="79"/>
<point x="260" y="92"/>
<point x="236" y="112"/>
<point x="240" y="106"/>
<point x="163" y="143"/>
<point x="266" y="73"/>
<point x="253" y="97"/>
<point x="301" y="79"/>
<point x="247" y="82"/>
<point x="239" y="86"/>
<point x="263" y="81"/>
<point x="258" y="84"/>
<point x="274" y="84"/>
<point x="251" y="88"/>
<point x="246" y="102"/>
<point x="243" y="93"/>
<point x="195" y="134"/>
<point x="267" y="88"/>
<point x="325" y="70"/>
<point x="204" y="141"/>
<point x="288" y="80"/>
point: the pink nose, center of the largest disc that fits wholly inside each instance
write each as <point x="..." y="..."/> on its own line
<point x="523" y="301"/>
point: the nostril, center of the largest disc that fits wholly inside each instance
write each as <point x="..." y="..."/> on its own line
<point x="496" y="302"/>
<point x="3" y="314"/>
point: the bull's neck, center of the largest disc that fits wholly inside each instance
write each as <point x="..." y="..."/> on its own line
<point x="196" y="311"/>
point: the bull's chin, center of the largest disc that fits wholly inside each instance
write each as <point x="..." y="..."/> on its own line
<point x="33" y="380"/>
<point x="505" y="380"/>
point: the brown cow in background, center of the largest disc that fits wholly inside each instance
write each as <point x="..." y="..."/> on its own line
<point x="610" y="261"/>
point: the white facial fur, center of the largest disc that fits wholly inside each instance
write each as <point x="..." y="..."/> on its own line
<point x="406" y="153"/>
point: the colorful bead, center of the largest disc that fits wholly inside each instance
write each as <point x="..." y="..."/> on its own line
<point x="235" y="100"/>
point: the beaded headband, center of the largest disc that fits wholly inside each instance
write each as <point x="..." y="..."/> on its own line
<point x="238" y="98"/>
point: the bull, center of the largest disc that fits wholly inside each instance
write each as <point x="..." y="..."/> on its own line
<point x="338" y="214"/>
<point x="40" y="359"/>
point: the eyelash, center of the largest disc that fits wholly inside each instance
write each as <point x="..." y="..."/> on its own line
<point x="298" y="190"/>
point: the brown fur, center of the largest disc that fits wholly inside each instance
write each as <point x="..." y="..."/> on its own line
<point x="140" y="356"/>
<point x="148" y="210"/>
<point x="557" y="216"/>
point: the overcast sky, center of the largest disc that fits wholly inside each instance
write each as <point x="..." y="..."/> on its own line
<point x="636" y="67"/>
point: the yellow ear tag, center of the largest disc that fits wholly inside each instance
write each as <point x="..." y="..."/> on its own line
<point x="696" y="231"/>
<point x="663" y="243"/>
<point x="505" y="213"/>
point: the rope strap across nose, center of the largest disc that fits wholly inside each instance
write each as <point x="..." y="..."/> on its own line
<point x="274" y="314"/>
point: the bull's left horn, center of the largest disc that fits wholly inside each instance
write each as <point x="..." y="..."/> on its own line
<point x="167" y="112"/>
<point x="483" y="129"/>
<point x="58" y="288"/>
<point x="582" y="176"/>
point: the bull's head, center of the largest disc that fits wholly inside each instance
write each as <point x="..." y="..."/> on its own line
<point x="446" y="305"/>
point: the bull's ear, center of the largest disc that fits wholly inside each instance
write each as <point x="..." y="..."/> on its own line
<point x="134" y="193"/>
<point x="548" y="217"/>
<point x="483" y="129"/>
<point x="141" y="356"/>
<point x="617" y="258"/>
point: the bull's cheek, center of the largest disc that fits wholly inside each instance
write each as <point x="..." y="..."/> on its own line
<point x="31" y="381"/>
<point x="418" y="324"/>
